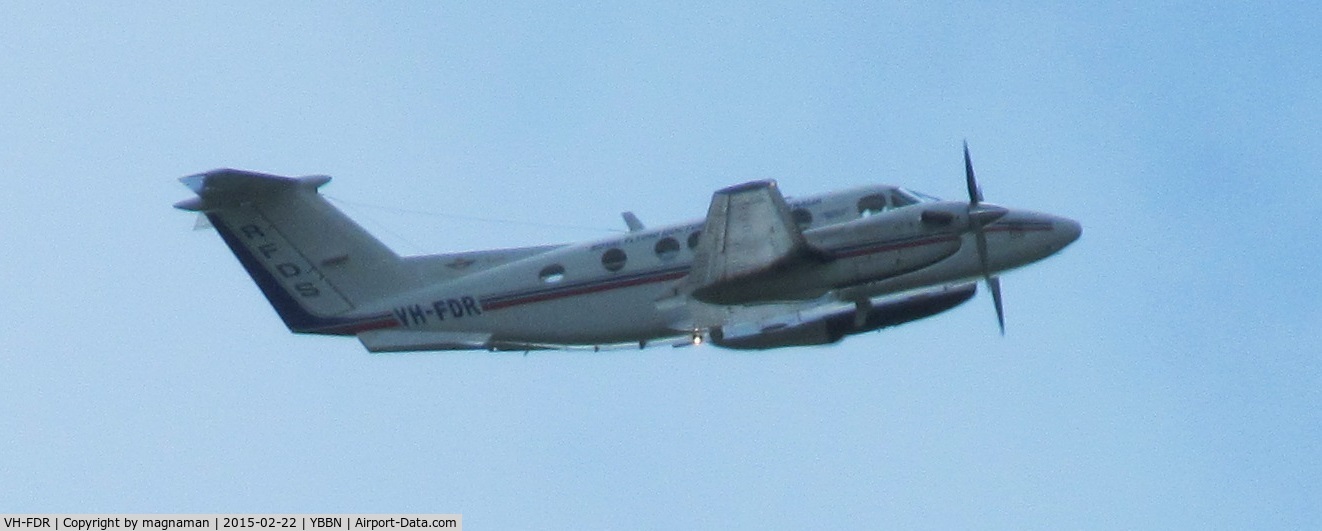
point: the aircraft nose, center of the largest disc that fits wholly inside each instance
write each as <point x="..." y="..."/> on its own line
<point x="1067" y="230"/>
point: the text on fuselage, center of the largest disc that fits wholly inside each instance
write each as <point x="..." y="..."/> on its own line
<point x="440" y="310"/>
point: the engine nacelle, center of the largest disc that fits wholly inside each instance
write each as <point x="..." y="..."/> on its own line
<point x="835" y="326"/>
<point x="815" y="332"/>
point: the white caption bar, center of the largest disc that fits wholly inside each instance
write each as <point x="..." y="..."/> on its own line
<point x="229" y="522"/>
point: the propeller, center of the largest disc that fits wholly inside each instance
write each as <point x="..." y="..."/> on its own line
<point x="979" y="218"/>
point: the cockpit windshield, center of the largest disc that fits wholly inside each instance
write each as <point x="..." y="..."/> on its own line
<point x="914" y="197"/>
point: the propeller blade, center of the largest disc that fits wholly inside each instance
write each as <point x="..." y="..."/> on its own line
<point x="980" y="237"/>
<point x="975" y="193"/>
<point x="980" y="217"/>
<point x="994" y="283"/>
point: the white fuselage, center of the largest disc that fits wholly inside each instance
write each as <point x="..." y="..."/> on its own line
<point x="611" y="291"/>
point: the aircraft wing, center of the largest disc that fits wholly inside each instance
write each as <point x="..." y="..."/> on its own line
<point x="749" y="237"/>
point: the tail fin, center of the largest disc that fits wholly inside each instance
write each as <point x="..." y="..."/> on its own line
<point x="314" y="264"/>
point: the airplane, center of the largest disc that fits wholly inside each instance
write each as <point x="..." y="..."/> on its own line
<point x="759" y="272"/>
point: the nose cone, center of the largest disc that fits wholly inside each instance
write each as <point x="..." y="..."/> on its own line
<point x="1063" y="232"/>
<point x="1032" y="236"/>
<point x="1066" y="229"/>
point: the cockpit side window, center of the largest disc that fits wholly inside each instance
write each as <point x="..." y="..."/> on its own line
<point x="871" y="204"/>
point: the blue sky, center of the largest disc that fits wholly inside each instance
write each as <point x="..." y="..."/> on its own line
<point x="1163" y="372"/>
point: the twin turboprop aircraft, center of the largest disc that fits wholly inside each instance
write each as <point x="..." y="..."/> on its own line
<point x="759" y="272"/>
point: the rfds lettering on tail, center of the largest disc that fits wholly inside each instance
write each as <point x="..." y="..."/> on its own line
<point x="758" y="272"/>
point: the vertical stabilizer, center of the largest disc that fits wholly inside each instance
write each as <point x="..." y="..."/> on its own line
<point x="315" y="265"/>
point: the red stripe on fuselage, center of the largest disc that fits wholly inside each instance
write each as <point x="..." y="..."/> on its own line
<point x="581" y="290"/>
<point x="1021" y="227"/>
<point x="502" y="302"/>
<point x="508" y="301"/>
<point x="378" y="323"/>
<point x="881" y="248"/>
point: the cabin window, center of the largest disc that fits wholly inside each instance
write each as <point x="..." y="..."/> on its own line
<point x="613" y="259"/>
<point x="667" y="248"/>
<point x="552" y="273"/>
<point x="693" y="239"/>
<point x="871" y="204"/>
<point x="802" y="218"/>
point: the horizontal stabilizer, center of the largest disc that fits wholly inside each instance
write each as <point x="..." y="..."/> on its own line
<point x="749" y="236"/>
<point x="228" y="187"/>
